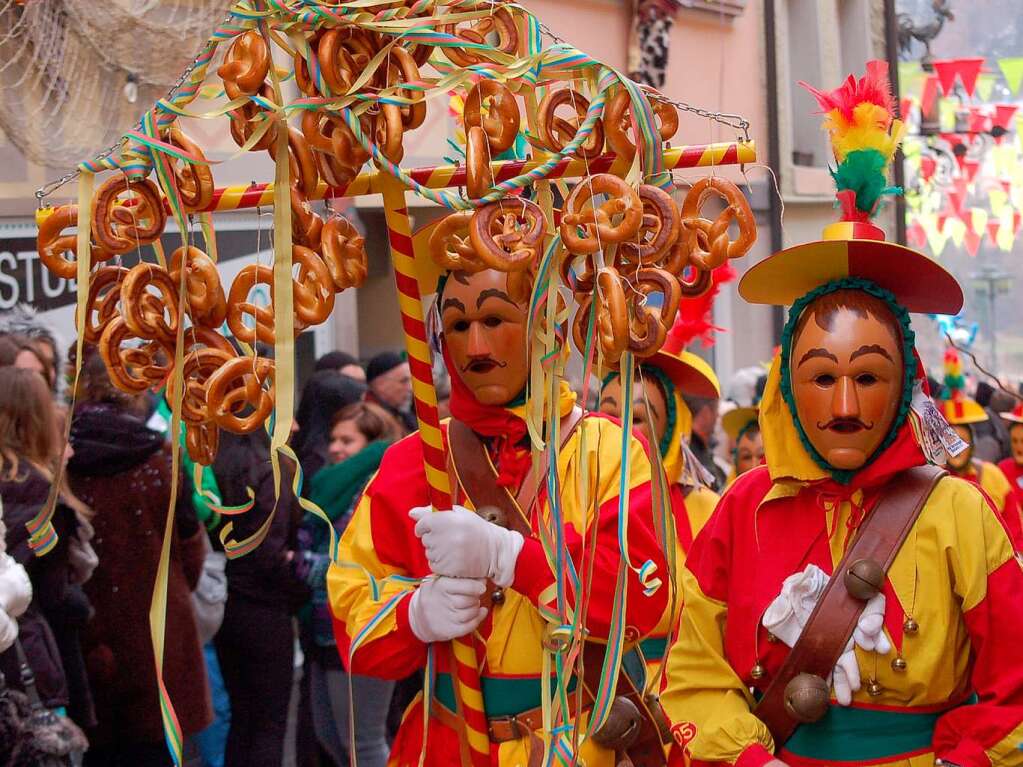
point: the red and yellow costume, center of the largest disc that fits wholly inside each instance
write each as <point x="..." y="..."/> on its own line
<point x="380" y="543"/>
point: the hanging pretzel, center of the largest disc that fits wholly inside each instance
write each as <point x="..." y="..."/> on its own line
<point x="249" y="117"/>
<point x="597" y="222"/>
<point x="194" y="180"/>
<point x="618" y="123"/>
<point x="206" y="303"/>
<point x="344" y="252"/>
<point x="501" y="22"/>
<point x="707" y="242"/>
<point x="53" y="245"/>
<point x="403" y="68"/>
<point x="104" y="295"/>
<point x="649" y="326"/>
<point x="388" y="132"/>
<point x="142" y="207"/>
<point x="491" y="106"/>
<point x="659" y="230"/>
<point x="313" y="287"/>
<point x="479" y="174"/>
<point x="450" y="245"/>
<point x="239" y="306"/>
<point x="134" y="368"/>
<point x="199" y="365"/>
<point x="304" y="175"/>
<point x="554" y="133"/>
<point x="246" y="65"/>
<point x="507" y="235"/>
<point x="612" y="326"/>
<point x="202" y="442"/>
<point x="339" y="66"/>
<point x="149" y="315"/>
<point x="303" y="79"/>
<point x="236" y="397"/>
<point x="580" y="278"/>
<point x="306" y="225"/>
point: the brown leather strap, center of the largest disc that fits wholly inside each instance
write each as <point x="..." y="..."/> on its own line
<point x="879" y="538"/>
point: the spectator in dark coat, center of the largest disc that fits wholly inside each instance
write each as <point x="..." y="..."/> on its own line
<point x="122" y="469"/>
<point x="343" y="363"/>
<point x="255" y="643"/>
<point x="390" y="386"/>
<point x="324" y="394"/>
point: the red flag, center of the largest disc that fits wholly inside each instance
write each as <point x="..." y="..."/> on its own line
<point x="968" y="71"/>
<point x="916" y="236"/>
<point x="927" y="167"/>
<point x="942" y="218"/>
<point x="992" y="231"/>
<point x="904" y="106"/>
<point x="978" y="120"/>
<point x="970" y="167"/>
<point x="972" y="241"/>
<point x="946" y="70"/>
<point x="929" y="94"/>
<point x="1003" y="114"/>
<point x="956" y="198"/>
<point x="1016" y="219"/>
<point x="1006" y="185"/>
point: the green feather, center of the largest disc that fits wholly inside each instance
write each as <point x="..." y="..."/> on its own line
<point x="863" y="171"/>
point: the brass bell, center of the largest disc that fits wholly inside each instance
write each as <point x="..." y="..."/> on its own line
<point x="758" y="672"/>
<point x="493" y="515"/>
<point x="910" y="626"/>
<point x="899" y="663"/>
<point x="497" y="596"/>
<point x="806" y="698"/>
<point x="874" y="688"/>
<point x="864" y="579"/>
<point x="555" y="641"/>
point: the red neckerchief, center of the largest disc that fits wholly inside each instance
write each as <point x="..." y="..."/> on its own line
<point x="506" y="431"/>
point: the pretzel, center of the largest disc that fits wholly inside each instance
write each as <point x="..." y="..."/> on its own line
<point x="597" y="223"/>
<point x="520" y="286"/>
<point x="388" y="130"/>
<point x="104" y="295"/>
<point x="235" y="397"/>
<point x="346" y="147"/>
<point x="649" y="327"/>
<point x="246" y="65"/>
<point x="148" y="315"/>
<point x="339" y="67"/>
<point x="199" y="337"/>
<point x="248" y="117"/>
<point x="555" y="133"/>
<point x="579" y="278"/>
<point x="303" y="173"/>
<point x="199" y="365"/>
<point x="344" y="252"/>
<point x="306" y="225"/>
<point x="136" y="368"/>
<point x="239" y="306"/>
<point x="313" y="287"/>
<point x="337" y="153"/>
<point x="52" y="245"/>
<point x="194" y="180"/>
<point x="204" y="294"/>
<point x="707" y="242"/>
<point x="500" y="21"/>
<point x="405" y="69"/>
<point x="507" y="234"/>
<point x="479" y="175"/>
<point x="501" y="120"/>
<point x="451" y="247"/>
<point x="202" y="442"/>
<point x="618" y="123"/>
<point x="659" y="229"/>
<point x="612" y="326"/>
<point x="142" y="218"/>
<point x="302" y="77"/>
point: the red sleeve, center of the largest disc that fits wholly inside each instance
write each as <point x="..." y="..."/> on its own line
<point x="394" y="655"/>
<point x="1011" y="519"/>
<point x="533" y="574"/>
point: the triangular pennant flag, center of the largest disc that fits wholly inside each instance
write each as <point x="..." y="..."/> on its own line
<point x="1002" y="119"/>
<point x="904" y="106"/>
<point x="1012" y="70"/>
<point x="968" y="70"/>
<point x="985" y="84"/>
<point x="927" y="166"/>
<point x="998" y="199"/>
<point x="956" y="230"/>
<point x="978" y="220"/>
<point x="947" y="114"/>
<point x="961" y="161"/>
<point x="970" y="167"/>
<point x="916" y="237"/>
<point x="1006" y="238"/>
<point x="941" y="218"/>
<point x="946" y="70"/>
<point x="972" y="242"/>
<point x="1017" y="219"/>
<point x="1006" y="186"/>
<point x="928" y="95"/>
<point x="978" y="120"/>
<point x="956" y="198"/>
<point x="992" y="230"/>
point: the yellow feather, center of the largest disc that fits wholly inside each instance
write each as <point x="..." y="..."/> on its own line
<point x="871" y="128"/>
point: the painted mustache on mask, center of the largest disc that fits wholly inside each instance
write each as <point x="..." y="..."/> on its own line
<point x="845" y="425"/>
<point x="483" y="365"/>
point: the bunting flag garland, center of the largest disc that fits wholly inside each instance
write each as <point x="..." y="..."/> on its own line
<point x="1012" y="71"/>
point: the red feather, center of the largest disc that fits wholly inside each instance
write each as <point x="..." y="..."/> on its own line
<point x="873" y="87"/>
<point x="695" y="315"/>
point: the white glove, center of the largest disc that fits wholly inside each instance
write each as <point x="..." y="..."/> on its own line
<point x="8" y="631"/>
<point x="846" y="676"/>
<point x="15" y="587"/>
<point x="461" y="543"/>
<point x="869" y="632"/>
<point x="446" y="608"/>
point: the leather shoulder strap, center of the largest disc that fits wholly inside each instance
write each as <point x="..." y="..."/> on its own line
<point x="478" y="477"/>
<point x="830" y="625"/>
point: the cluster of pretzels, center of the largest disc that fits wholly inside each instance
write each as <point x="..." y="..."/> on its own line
<point x="637" y="242"/>
<point x="132" y="314"/>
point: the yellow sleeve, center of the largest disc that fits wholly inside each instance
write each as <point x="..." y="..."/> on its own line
<point x="707" y="703"/>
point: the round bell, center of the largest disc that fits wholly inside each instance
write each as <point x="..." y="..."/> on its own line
<point x="874" y="688"/>
<point x="899" y="663"/>
<point x="806" y="698"/>
<point x="910" y="626"/>
<point x="864" y="579"/>
<point x="493" y="515"/>
<point x="555" y="640"/>
<point x="758" y="672"/>
<point x="497" y="596"/>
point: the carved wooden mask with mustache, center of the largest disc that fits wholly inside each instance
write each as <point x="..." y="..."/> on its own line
<point x="485" y="335"/>
<point x="847" y="376"/>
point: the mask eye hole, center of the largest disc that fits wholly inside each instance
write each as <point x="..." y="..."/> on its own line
<point x="460" y="326"/>
<point x="866" y="379"/>
<point x="824" y="380"/>
<point x="492" y="322"/>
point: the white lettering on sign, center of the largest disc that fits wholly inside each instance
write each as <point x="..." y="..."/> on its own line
<point x="9" y="288"/>
<point x="22" y="280"/>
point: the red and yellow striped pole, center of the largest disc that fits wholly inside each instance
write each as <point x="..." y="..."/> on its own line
<point x="447" y="176"/>
<point x="465" y="651"/>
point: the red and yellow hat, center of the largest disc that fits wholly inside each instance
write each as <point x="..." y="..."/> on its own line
<point x="735" y="422"/>
<point x="860" y="120"/>
<point x="959" y="409"/>
<point x="1015" y="415"/>
<point x="689" y="372"/>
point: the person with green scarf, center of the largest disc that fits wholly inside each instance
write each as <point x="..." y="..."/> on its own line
<point x="359" y="435"/>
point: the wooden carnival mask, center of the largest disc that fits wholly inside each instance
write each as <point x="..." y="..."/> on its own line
<point x="653" y="426"/>
<point x="1016" y="442"/>
<point x="485" y="335"/>
<point x="961" y="461"/>
<point x="847" y="373"/>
